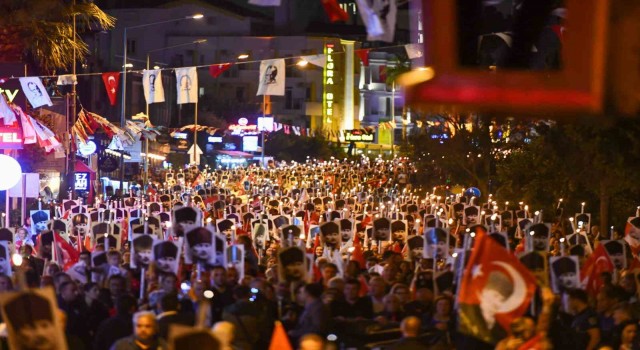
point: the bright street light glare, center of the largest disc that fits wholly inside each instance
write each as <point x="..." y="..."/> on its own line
<point x="243" y="56"/>
<point x="197" y="16"/>
<point x="302" y="63"/>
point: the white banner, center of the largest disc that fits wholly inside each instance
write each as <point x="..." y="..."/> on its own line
<point x="187" y="85"/>
<point x="272" y="76"/>
<point x="152" y="84"/>
<point x="35" y="92"/>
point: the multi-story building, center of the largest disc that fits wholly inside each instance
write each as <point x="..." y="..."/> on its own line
<point x="360" y="97"/>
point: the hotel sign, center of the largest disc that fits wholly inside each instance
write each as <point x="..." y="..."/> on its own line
<point x="10" y="138"/>
<point x="329" y="77"/>
<point x="358" y="136"/>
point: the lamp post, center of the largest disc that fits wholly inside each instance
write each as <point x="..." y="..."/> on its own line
<point x="124" y="76"/>
<point x="146" y="141"/>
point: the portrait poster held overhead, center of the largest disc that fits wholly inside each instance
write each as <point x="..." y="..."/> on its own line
<point x="436" y="243"/>
<point x="399" y="231"/>
<point x="330" y="234"/>
<point x="26" y="311"/>
<point x="292" y="265"/>
<point x="617" y="253"/>
<point x="565" y="273"/>
<point x="141" y="250"/>
<point x="495" y="289"/>
<point x="39" y="219"/>
<point x="199" y="247"/>
<point x="259" y="235"/>
<point x="537" y="264"/>
<point x="381" y="229"/>
<point x="184" y="219"/>
<point x="166" y="254"/>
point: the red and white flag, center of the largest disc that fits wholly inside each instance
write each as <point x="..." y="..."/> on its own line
<point x="216" y="69"/>
<point x="593" y="268"/>
<point x="111" y="80"/>
<point x="334" y="11"/>
<point x="496" y="289"/>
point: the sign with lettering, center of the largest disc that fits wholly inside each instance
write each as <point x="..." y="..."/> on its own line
<point x="10" y="138"/>
<point x="81" y="181"/>
<point x="358" y="136"/>
<point x="328" y="97"/>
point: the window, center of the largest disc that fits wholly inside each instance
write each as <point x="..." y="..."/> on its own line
<point x="307" y="93"/>
<point x="288" y="98"/>
<point x="387" y="110"/>
<point x="240" y="94"/>
<point x="131" y="46"/>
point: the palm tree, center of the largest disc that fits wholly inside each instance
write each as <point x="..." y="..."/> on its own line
<point x="40" y="32"/>
<point x="398" y="67"/>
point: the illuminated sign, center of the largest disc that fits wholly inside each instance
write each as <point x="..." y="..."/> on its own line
<point x="180" y="135"/>
<point x="358" y="135"/>
<point x="265" y="123"/>
<point x="10" y="138"/>
<point x="214" y="139"/>
<point x="250" y="143"/>
<point x="86" y="149"/>
<point x="237" y="129"/>
<point x="81" y="181"/>
<point x="329" y="71"/>
<point x="11" y="94"/>
<point x="243" y="121"/>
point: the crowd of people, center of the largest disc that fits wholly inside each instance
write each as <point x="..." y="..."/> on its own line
<point x="337" y="254"/>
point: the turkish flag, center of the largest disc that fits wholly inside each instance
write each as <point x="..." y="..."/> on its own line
<point x="279" y="339"/>
<point x="593" y="267"/>
<point x="495" y="289"/>
<point x="357" y="254"/>
<point x="111" y="80"/>
<point x="334" y="11"/>
<point x="364" y="56"/>
<point x="217" y="69"/>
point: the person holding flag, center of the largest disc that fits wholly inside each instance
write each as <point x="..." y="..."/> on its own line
<point x="496" y="289"/>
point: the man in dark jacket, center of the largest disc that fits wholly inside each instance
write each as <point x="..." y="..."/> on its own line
<point x="118" y="326"/>
<point x="171" y="315"/>
<point x="245" y="317"/>
<point x="410" y="328"/>
<point x="145" y="334"/>
<point x="316" y="316"/>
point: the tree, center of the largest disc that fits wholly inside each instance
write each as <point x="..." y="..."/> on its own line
<point x="454" y="149"/>
<point x="590" y="160"/>
<point x="291" y="147"/>
<point x="40" y="32"/>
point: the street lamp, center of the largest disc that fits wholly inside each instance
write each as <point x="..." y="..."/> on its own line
<point x="146" y="142"/>
<point x="124" y="75"/>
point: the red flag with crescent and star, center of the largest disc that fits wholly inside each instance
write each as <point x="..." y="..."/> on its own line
<point x="593" y="268"/>
<point x="495" y="289"/>
<point x="111" y="80"/>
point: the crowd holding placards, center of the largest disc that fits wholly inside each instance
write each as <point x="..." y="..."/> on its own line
<point x="336" y="254"/>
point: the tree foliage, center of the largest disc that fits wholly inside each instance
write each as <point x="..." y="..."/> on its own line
<point x="291" y="147"/>
<point x="41" y="31"/>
